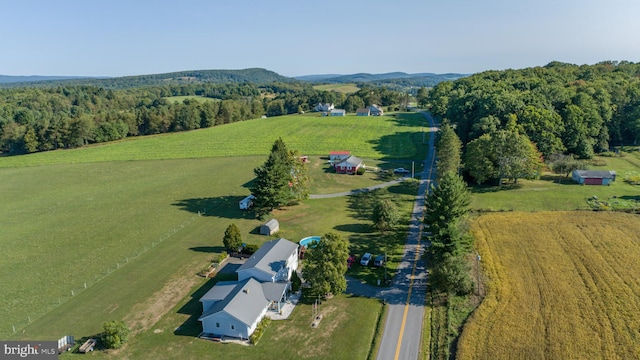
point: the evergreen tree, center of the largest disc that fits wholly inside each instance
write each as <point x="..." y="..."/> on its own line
<point x="232" y="238"/>
<point x="448" y="150"/>
<point x="326" y="265"/>
<point x="447" y="202"/>
<point x="272" y="187"/>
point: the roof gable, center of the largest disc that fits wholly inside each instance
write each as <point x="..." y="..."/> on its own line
<point x="599" y="174"/>
<point x="271" y="256"/>
<point x="350" y="161"/>
<point x="245" y="302"/>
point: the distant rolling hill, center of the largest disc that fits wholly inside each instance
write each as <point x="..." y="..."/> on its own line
<point x="394" y="79"/>
<point x="255" y="76"/>
<point x="5" y="79"/>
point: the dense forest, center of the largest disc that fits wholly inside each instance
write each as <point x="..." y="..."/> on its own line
<point x="45" y="118"/>
<point x="561" y="108"/>
<point x="254" y="76"/>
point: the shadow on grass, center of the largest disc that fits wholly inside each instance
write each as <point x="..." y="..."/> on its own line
<point x="483" y="189"/>
<point x="355" y="228"/>
<point x="192" y="327"/>
<point x="208" y="249"/>
<point x="222" y="207"/>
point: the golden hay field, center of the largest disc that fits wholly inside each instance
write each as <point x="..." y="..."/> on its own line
<point x="561" y="285"/>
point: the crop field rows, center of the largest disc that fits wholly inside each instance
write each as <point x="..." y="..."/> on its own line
<point x="560" y="285"/>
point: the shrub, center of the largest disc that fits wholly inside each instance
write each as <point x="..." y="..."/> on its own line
<point x="115" y="334"/>
<point x="221" y="257"/>
<point x="360" y="171"/>
<point x="250" y="249"/>
<point x="296" y="282"/>
<point x="260" y="329"/>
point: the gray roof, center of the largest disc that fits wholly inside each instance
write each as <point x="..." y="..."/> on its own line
<point x="597" y="174"/>
<point x="272" y="224"/>
<point x="245" y="302"/>
<point x="351" y="160"/>
<point x="220" y="291"/>
<point x="271" y="256"/>
<point x="274" y="291"/>
<point x="363" y="110"/>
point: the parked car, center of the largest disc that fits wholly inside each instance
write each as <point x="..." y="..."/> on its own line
<point x="401" y="171"/>
<point x="379" y="261"/>
<point x="365" y="259"/>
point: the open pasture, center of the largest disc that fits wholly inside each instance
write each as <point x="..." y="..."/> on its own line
<point x="560" y="285"/>
<point x="547" y="193"/>
<point x="343" y="88"/>
<point x="131" y="230"/>
<point x="396" y="136"/>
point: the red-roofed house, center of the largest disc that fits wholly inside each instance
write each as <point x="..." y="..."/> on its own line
<point x="335" y="156"/>
<point x="349" y="165"/>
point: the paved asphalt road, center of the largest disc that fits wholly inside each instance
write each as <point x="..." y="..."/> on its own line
<point x="406" y="296"/>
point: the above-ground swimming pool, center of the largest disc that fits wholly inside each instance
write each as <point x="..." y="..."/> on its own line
<point x="308" y="240"/>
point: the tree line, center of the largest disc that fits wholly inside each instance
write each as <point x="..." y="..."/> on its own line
<point x="561" y="108"/>
<point x="36" y="119"/>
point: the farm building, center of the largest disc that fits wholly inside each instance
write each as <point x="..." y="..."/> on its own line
<point x="234" y="308"/>
<point x="270" y="227"/>
<point x="246" y="203"/>
<point x="593" y="177"/>
<point x="339" y="155"/>
<point x="375" y="110"/>
<point x="349" y="165"/>
<point x="275" y="261"/>
<point x="324" y="107"/>
<point x="338" y="112"/>
<point x="363" y="112"/>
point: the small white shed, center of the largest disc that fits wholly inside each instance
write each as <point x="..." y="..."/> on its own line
<point x="246" y="203"/>
<point x="270" y="227"/>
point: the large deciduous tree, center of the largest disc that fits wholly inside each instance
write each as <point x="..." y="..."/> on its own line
<point x="503" y="154"/>
<point x="384" y="215"/>
<point x="326" y="264"/>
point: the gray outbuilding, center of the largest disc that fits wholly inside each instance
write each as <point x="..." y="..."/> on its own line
<point x="270" y="227"/>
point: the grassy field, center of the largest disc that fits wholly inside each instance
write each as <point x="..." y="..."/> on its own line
<point x="397" y="136"/>
<point x="347" y="331"/>
<point x="549" y="194"/>
<point x="343" y="88"/>
<point x="561" y="285"/>
<point x="93" y="240"/>
<point x="179" y="99"/>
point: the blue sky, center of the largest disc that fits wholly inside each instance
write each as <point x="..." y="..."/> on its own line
<point x="133" y="37"/>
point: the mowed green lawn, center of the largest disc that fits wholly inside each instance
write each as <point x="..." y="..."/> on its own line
<point x="343" y="88"/>
<point x="131" y="230"/>
<point x="397" y="136"/>
<point x="547" y="194"/>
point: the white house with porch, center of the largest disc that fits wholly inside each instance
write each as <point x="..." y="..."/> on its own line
<point x="234" y="308"/>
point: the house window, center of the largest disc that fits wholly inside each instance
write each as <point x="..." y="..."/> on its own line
<point x="217" y="325"/>
<point x="233" y="327"/>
